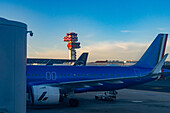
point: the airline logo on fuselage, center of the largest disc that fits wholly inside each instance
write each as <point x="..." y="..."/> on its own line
<point x="42" y="97"/>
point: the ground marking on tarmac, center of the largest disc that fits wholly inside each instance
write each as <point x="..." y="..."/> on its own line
<point x="137" y="101"/>
<point x="156" y="88"/>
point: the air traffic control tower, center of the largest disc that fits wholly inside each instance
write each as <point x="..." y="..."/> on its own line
<point x="72" y="45"/>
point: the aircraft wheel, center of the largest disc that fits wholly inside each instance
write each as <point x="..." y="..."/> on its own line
<point x="74" y="102"/>
<point x="96" y="97"/>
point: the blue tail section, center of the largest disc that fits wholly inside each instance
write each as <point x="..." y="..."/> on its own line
<point x="82" y="60"/>
<point x="154" y="53"/>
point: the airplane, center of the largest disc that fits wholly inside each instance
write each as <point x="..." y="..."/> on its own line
<point x="51" y="84"/>
<point x="81" y="61"/>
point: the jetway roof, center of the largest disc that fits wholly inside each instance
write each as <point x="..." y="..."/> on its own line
<point x="12" y="23"/>
<point x="48" y="61"/>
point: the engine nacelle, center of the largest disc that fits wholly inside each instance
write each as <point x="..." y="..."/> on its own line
<point x="45" y="95"/>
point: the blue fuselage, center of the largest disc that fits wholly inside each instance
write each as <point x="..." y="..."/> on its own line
<point x="37" y="75"/>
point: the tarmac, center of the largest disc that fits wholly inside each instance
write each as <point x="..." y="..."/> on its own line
<point x="148" y="98"/>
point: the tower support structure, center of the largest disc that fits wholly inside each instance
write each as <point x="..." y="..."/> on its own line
<point x="72" y="54"/>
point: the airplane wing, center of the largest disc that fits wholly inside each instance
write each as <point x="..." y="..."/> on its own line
<point x="70" y="86"/>
<point x="156" y="72"/>
<point x="159" y="65"/>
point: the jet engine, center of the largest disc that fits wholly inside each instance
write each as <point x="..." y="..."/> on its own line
<point x="45" y="95"/>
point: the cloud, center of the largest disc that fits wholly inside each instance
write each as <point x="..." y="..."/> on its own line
<point x="89" y="35"/>
<point x="72" y="30"/>
<point x="161" y="29"/>
<point x="33" y="50"/>
<point x="114" y="50"/>
<point x="48" y="53"/>
<point x="125" y="31"/>
<point x="97" y="51"/>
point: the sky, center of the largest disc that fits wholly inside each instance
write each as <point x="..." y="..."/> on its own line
<point x="107" y="29"/>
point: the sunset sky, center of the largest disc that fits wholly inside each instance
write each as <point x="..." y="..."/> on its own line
<point x="107" y="29"/>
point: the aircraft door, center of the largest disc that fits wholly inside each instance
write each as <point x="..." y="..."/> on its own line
<point x="54" y="76"/>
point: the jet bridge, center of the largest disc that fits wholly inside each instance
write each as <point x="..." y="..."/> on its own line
<point x="12" y="66"/>
<point x="41" y="61"/>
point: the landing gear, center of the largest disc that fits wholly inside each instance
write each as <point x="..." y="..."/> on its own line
<point x="107" y="96"/>
<point x="31" y="99"/>
<point x="74" y="102"/>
